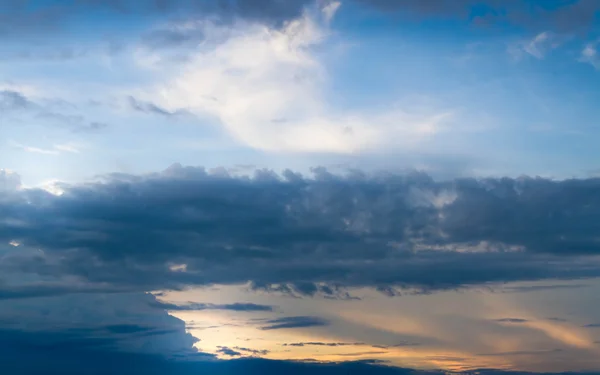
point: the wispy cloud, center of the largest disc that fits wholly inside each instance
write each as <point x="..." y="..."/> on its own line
<point x="294" y="322"/>
<point x="248" y="307"/>
<point x="590" y="55"/>
<point x="54" y="150"/>
<point x="538" y="46"/>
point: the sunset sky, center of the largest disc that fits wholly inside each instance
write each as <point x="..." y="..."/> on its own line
<point x="299" y="186"/>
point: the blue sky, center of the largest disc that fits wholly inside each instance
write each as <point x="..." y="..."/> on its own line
<point x="374" y="186"/>
<point x="508" y="97"/>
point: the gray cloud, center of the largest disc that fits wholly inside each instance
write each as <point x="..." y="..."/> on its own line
<point x="16" y="103"/>
<point x="252" y="351"/>
<point x="317" y="343"/>
<point x="108" y="322"/>
<point x="227" y="351"/>
<point x="294" y="322"/>
<point x="48" y="289"/>
<point x="536" y="288"/>
<point x="151" y="108"/>
<point x="172" y="38"/>
<point x="563" y="16"/>
<point x="48" y="18"/>
<point x="555" y="319"/>
<point x="522" y="353"/>
<point x="248" y="307"/>
<point x="511" y="320"/>
<point x="310" y="236"/>
<point x="13" y="100"/>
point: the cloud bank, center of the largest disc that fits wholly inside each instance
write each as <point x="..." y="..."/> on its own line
<point x="306" y="235"/>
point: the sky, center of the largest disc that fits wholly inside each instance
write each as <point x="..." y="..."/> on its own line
<point x="302" y="186"/>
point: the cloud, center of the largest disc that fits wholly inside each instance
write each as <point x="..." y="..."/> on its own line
<point x="35" y="150"/>
<point x="107" y="322"/>
<point x="313" y="343"/>
<point x="404" y="233"/>
<point x="522" y="353"/>
<point x="589" y="55"/>
<point x="55" y="150"/>
<point x="564" y="17"/>
<point x="248" y="307"/>
<point x="228" y="352"/>
<point x="536" y="288"/>
<point x="252" y="351"/>
<point x="127" y="328"/>
<point x="172" y="37"/>
<point x="538" y="46"/>
<point x="49" y="19"/>
<point x="593" y="325"/>
<point x="49" y="289"/>
<point x="13" y="100"/>
<point x="16" y="103"/>
<point x="511" y="320"/>
<point x="294" y="322"/>
<point x="267" y="87"/>
<point x="151" y="108"/>
<point x="554" y="319"/>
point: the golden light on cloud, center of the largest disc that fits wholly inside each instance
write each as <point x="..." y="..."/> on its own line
<point x="473" y="330"/>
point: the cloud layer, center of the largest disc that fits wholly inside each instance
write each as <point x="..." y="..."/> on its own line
<point x="301" y="235"/>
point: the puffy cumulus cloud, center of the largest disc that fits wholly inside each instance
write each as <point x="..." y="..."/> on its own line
<point x="313" y="235"/>
<point x="267" y="88"/>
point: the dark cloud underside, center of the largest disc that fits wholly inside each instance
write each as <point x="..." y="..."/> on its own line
<point x="311" y="236"/>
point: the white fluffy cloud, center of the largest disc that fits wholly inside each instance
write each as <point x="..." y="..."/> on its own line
<point x="266" y="87"/>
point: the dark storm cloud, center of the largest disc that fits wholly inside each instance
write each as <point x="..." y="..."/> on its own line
<point x="294" y="322"/>
<point x="311" y="236"/>
<point x="249" y="307"/>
